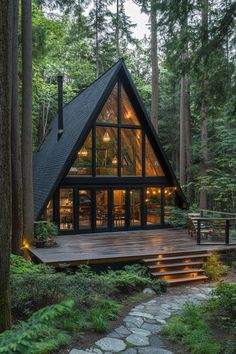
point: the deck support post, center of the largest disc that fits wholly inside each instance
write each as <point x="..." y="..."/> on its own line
<point x="198" y="232"/>
<point x="227" y="232"/>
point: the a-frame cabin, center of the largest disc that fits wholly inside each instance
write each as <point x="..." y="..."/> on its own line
<point x="103" y="168"/>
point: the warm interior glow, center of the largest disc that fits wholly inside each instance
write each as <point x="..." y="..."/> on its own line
<point x="25" y="244"/>
<point x="114" y="160"/>
<point x="106" y="137"/>
<point x="83" y="152"/>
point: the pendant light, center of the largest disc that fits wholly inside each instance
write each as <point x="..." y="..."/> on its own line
<point x="114" y="160"/>
<point x="106" y="137"/>
<point x="83" y="152"/>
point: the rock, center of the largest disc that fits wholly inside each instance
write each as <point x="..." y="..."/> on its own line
<point x="160" y="321"/>
<point x="137" y="340"/>
<point x="111" y="344"/>
<point x="141" y="314"/>
<point x="140" y="331"/>
<point x="153" y="328"/>
<point x="130" y="351"/>
<point x="77" y="351"/>
<point x="114" y="334"/>
<point x="122" y="330"/>
<point x="149" y="291"/>
<point x="154" y="350"/>
<point x="132" y="321"/>
<point x="156" y="341"/>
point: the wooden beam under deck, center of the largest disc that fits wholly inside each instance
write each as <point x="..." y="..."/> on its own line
<point x="119" y="247"/>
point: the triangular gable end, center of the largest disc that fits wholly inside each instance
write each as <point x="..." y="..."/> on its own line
<point x="80" y="115"/>
<point x="117" y="125"/>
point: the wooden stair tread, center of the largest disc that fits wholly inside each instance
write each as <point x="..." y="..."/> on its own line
<point x="173" y="265"/>
<point x="186" y="271"/>
<point x="184" y="280"/>
<point x="189" y="256"/>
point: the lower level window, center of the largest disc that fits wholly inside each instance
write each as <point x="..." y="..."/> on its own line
<point x="169" y="205"/>
<point x="66" y="209"/>
<point x="153" y="206"/>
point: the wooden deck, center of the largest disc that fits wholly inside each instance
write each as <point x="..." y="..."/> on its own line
<point x="118" y="246"/>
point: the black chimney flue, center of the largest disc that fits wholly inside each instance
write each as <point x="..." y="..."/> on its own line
<point x="60" y="106"/>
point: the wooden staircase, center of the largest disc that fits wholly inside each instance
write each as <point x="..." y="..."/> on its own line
<point x="178" y="268"/>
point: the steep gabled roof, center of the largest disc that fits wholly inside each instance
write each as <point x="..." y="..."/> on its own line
<point x="49" y="165"/>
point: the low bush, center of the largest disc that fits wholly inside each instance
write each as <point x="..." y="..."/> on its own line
<point x="191" y="329"/>
<point x="178" y="218"/>
<point x="214" y="268"/>
<point x="20" y="265"/>
<point x="223" y="303"/>
<point x="45" y="230"/>
<point x="42" y="333"/>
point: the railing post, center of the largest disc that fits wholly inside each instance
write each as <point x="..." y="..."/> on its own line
<point x="227" y="232"/>
<point x="198" y="232"/>
<point x="201" y="213"/>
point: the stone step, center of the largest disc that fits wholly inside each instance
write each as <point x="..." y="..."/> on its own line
<point x="174" y="258"/>
<point x="177" y="273"/>
<point x="174" y="265"/>
<point x="181" y="281"/>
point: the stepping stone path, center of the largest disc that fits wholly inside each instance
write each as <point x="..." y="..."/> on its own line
<point x="140" y="332"/>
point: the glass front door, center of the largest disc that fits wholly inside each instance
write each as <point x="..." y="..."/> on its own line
<point x="153" y="206"/>
<point x="135" y="207"/>
<point x="119" y="214"/>
<point x="85" y="209"/>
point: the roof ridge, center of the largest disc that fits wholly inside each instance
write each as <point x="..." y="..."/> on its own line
<point x="121" y="60"/>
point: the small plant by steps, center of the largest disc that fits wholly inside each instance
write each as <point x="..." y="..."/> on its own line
<point x="213" y="268"/>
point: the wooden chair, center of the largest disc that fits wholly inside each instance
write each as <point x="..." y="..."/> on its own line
<point x="192" y="222"/>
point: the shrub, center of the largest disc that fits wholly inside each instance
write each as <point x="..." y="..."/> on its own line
<point x="41" y="334"/>
<point x="178" y="218"/>
<point x="213" y="268"/>
<point x="45" y="230"/>
<point x="191" y="326"/>
<point x="160" y="286"/>
<point x="223" y="303"/>
<point x="20" y="265"/>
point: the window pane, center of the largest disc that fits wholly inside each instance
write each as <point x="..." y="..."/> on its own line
<point x="131" y="152"/>
<point x="101" y="209"/>
<point x="66" y="209"/>
<point x="152" y="166"/>
<point x="106" y="151"/>
<point x="135" y="207"/>
<point x="153" y="205"/>
<point x="128" y="114"/>
<point x="109" y="111"/>
<point x="169" y="202"/>
<point x="118" y="212"/>
<point x="85" y="204"/>
<point x="83" y="162"/>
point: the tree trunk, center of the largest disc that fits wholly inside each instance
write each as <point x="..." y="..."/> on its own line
<point x="97" y="41"/>
<point x="154" y="59"/>
<point x="17" y="213"/>
<point x="204" y="109"/>
<point x="188" y="142"/>
<point x="5" y="160"/>
<point x="117" y="31"/>
<point x="182" y="145"/>
<point x="28" y="216"/>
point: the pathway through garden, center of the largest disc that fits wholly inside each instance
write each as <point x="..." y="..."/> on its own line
<point x="140" y="332"/>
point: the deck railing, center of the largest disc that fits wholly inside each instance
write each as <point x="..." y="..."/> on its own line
<point x="215" y="230"/>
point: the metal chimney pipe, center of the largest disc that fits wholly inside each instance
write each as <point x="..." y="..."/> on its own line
<point x="60" y="106"/>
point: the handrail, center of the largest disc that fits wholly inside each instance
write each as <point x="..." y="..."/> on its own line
<point x="216" y="211"/>
<point x="199" y="225"/>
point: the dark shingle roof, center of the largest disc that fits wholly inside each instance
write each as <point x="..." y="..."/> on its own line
<point x="49" y="161"/>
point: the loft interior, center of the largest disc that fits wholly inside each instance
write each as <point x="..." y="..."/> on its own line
<point x="101" y="166"/>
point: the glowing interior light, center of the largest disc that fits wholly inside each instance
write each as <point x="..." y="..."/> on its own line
<point x="83" y="152"/>
<point x="114" y="160"/>
<point x="106" y="137"/>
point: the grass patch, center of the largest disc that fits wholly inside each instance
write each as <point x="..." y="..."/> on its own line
<point x="191" y="329"/>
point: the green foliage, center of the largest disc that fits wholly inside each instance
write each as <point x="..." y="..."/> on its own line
<point x="213" y="268"/>
<point x="191" y="329"/>
<point x="41" y="334"/>
<point x="178" y="217"/>
<point x="159" y="286"/>
<point x="45" y="230"/>
<point x="20" y="265"/>
<point x="223" y="303"/>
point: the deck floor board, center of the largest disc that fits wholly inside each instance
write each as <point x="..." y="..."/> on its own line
<point x="124" y="245"/>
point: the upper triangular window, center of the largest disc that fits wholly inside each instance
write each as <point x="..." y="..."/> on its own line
<point x="128" y="113"/>
<point x="152" y="165"/>
<point x="109" y="113"/>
